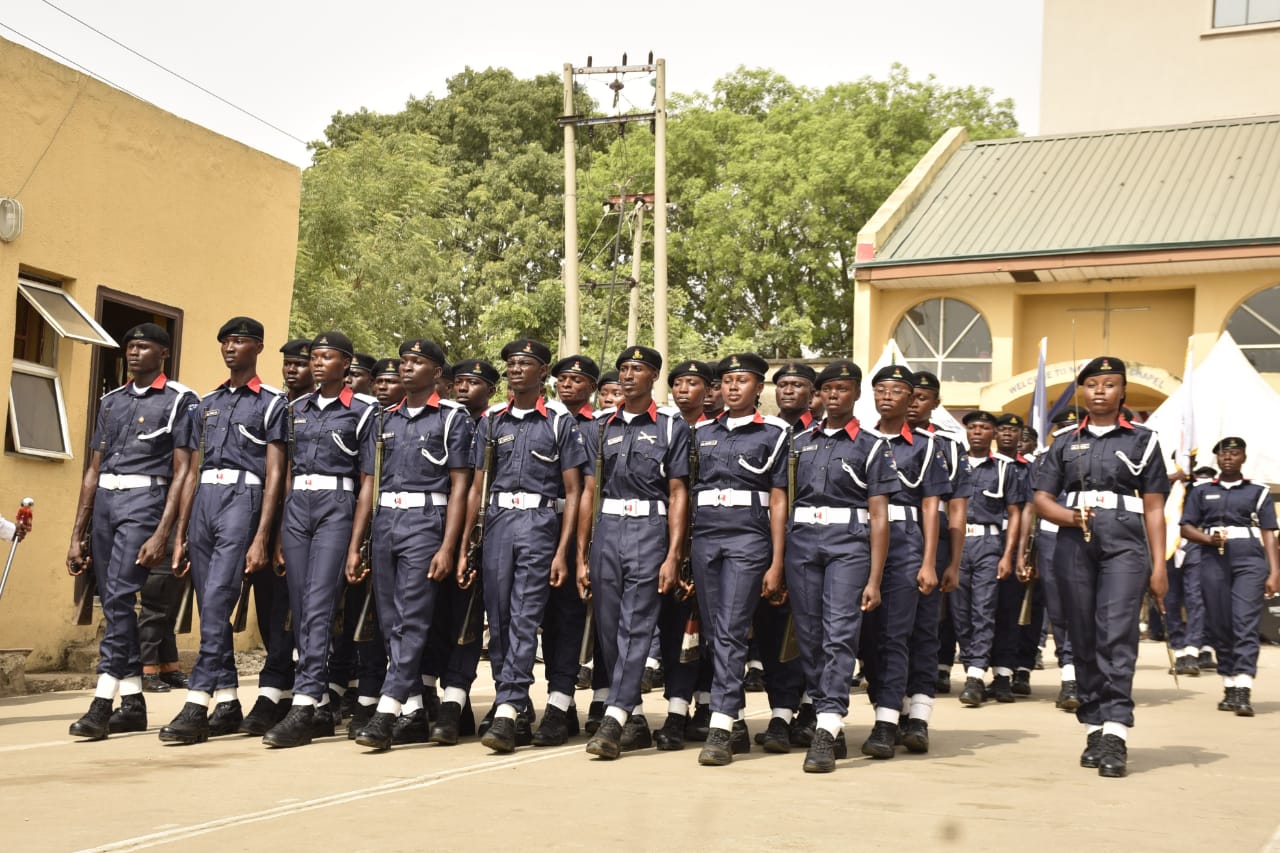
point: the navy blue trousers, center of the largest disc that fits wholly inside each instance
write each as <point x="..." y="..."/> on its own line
<point x="123" y="519"/>
<point x="827" y="569"/>
<point x="224" y="519"/>
<point x="680" y="679"/>
<point x="626" y="553"/>
<point x="728" y="567"/>
<point x="519" y="545"/>
<point x="1004" y="645"/>
<point x="1233" y="586"/>
<point x="315" y="534"/>
<point x="926" y="634"/>
<point x="886" y="631"/>
<point x="453" y="664"/>
<point x="404" y="541"/>
<point x="1029" y="635"/>
<point x="562" y="627"/>
<point x="783" y="682"/>
<point x="271" y="599"/>
<point x="364" y="662"/>
<point x="1185" y="590"/>
<point x="1102" y="584"/>
<point x="1046" y="567"/>
<point x="973" y="604"/>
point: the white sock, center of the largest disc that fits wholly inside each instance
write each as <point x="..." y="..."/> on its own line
<point x="505" y="711"/>
<point x="785" y="714"/>
<point x="225" y="694"/>
<point x="107" y="687"/>
<point x="1004" y="670"/>
<point x="340" y="689"/>
<point x="921" y="707"/>
<point x="455" y="694"/>
<point x="679" y="707"/>
<point x="352" y="684"/>
<point x="275" y="694"/>
<point x="1245" y="681"/>
<point x="388" y="705"/>
<point x="1090" y="729"/>
<point x="755" y="664"/>
<point x="703" y="697"/>
<point x="1228" y="681"/>
<point x="618" y="714"/>
<point x="198" y="697"/>
<point x="1069" y="672"/>
<point x="975" y="672"/>
<point x="600" y="694"/>
<point x="945" y="669"/>
<point x="367" y="701"/>
<point x="651" y="663"/>
<point x="131" y="686"/>
<point x="830" y="722"/>
<point x="888" y="715"/>
<point x="323" y="701"/>
<point x="721" y="721"/>
<point x="1120" y="730"/>
<point x="429" y="681"/>
<point x="1025" y="669"/>
<point x="806" y="699"/>
<point x="559" y="700"/>
<point x="413" y="703"/>
<point x="1191" y="650"/>
<point x="639" y="709"/>
<point x="302" y="699"/>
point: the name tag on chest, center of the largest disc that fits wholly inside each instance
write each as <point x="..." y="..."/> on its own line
<point x="1084" y="446"/>
<point x="506" y="439"/>
<point x="708" y="443"/>
<point x="1212" y="497"/>
<point x="617" y="439"/>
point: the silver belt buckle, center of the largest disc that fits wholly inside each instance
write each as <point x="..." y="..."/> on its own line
<point x="724" y="497"/>
<point x="819" y="516"/>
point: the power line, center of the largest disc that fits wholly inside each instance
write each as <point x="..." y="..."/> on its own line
<point x="173" y="73"/>
<point x="71" y="61"/>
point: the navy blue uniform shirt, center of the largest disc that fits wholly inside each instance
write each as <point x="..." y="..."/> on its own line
<point x="751" y="457"/>
<point x="137" y="432"/>
<point x="234" y="427"/>
<point x="418" y="450"/>
<point x="1213" y="504"/>
<point x="921" y="466"/>
<point x="337" y="440"/>
<point x="532" y="452"/>
<point x="1126" y="460"/>
<point x="994" y="483"/>
<point x="640" y="456"/>
<point x="843" y="469"/>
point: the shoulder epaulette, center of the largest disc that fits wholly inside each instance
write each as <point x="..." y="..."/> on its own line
<point x="270" y="389"/>
<point x="601" y="414"/>
<point x="707" y="422"/>
<point x="1066" y="429"/>
<point x="495" y="408"/>
<point x="450" y="404"/>
<point x="669" y="411"/>
<point x="774" y="420"/>
<point x="365" y="398"/>
<point x="180" y="388"/>
<point x="557" y="407"/>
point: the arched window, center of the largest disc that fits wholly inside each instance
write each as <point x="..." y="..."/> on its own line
<point x="1256" y="327"/>
<point x="947" y="337"/>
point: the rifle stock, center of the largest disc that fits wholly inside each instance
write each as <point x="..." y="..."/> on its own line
<point x="187" y="607"/>
<point x="473" y="621"/>
<point x="86" y="580"/>
<point x="240" y="618"/>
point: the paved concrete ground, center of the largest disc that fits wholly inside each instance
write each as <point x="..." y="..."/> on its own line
<point x="998" y="777"/>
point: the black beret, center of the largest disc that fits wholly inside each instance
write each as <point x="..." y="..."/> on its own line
<point x="363" y="361"/>
<point x="527" y="346"/>
<point x="841" y="368"/>
<point x="795" y="368"/>
<point x="446" y="371"/>
<point x="894" y="373"/>
<point x="743" y="362"/>
<point x="387" y="367"/>
<point x="1103" y="364"/>
<point x="478" y="368"/>
<point x="297" y="348"/>
<point x="1231" y="442"/>
<point x="148" y="332"/>
<point x="579" y="364"/>
<point x="640" y="355"/>
<point x="979" y="415"/>
<point x="1010" y="420"/>
<point x="241" y="327"/>
<point x="693" y="367"/>
<point x="424" y="348"/>
<point x="335" y="341"/>
<point x="1069" y="415"/>
<point x="609" y="377"/>
<point x="925" y="379"/>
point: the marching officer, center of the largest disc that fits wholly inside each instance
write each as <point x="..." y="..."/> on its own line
<point x="1115" y="481"/>
<point x="1232" y="523"/>
<point x="326" y="513"/>
<point x="836" y="548"/>
<point x="609" y="392"/>
<point x="142" y="443"/>
<point x="537" y="451"/>
<point x="447" y="658"/>
<point x="566" y="613"/>
<point x="425" y="444"/>
<point x="1186" y="636"/>
<point x="910" y="572"/>
<point x="629" y="554"/>
<point x="228" y="512"/>
<point x="1009" y="662"/>
<point x="388" y="390"/>
<point x="739" y="533"/>
<point x="360" y="374"/>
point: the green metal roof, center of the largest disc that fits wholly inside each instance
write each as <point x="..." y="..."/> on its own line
<point x="1216" y="183"/>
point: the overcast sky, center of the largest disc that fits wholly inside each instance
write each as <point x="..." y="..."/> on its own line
<point x="296" y="63"/>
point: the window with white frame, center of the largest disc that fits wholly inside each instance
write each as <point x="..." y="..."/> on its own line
<point x="1255" y="325"/>
<point x="946" y="337"/>
<point x="37" y="408"/>
<point x="1241" y="13"/>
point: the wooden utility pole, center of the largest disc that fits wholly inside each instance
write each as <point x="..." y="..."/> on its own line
<point x="572" y="334"/>
<point x="637" y="246"/>
<point x="660" y="341"/>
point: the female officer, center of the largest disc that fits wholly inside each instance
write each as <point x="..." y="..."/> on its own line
<point x="326" y="514"/>
<point x="836" y="550"/>
<point x="1232" y="523"/>
<point x="1110" y="541"/>
<point x="740" y="525"/>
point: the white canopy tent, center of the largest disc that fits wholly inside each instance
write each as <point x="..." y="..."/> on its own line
<point x="1228" y="397"/>
<point x="865" y="409"/>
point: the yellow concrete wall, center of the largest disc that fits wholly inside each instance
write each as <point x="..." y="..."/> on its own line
<point x="120" y="194"/>
<point x="1109" y="64"/>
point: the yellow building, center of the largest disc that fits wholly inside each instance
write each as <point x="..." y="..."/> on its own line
<point x="112" y="212"/>
<point x="1115" y="242"/>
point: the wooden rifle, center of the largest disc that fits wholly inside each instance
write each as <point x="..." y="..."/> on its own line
<point x="1029" y="557"/>
<point x="86" y="580"/>
<point x="188" y="604"/>
<point x="473" y="621"/>
<point x="790" y="648"/>
<point x="240" y="618"/>
<point x="691" y="642"/>
<point x="587" y="648"/>
<point x="364" y="622"/>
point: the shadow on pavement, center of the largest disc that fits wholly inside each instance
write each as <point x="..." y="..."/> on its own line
<point x="1146" y="759"/>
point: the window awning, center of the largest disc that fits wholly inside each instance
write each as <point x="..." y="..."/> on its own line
<point x="64" y="314"/>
